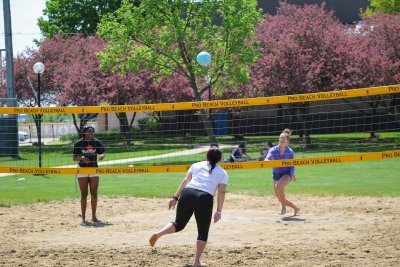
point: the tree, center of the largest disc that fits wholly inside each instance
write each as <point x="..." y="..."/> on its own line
<point x="381" y="40"/>
<point x="165" y="37"/>
<point x="383" y="6"/>
<point x="75" y="16"/>
<point x="304" y="50"/>
<point x="386" y="39"/>
<point x="379" y="59"/>
<point x="26" y="80"/>
<point x="77" y="74"/>
<point x="73" y="77"/>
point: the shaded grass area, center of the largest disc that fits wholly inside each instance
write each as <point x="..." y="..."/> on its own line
<point x="370" y="178"/>
<point x="61" y="154"/>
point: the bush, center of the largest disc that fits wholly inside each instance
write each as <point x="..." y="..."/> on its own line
<point x="149" y="124"/>
<point x="36" y="144"/>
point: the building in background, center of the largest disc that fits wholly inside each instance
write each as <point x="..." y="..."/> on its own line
<point x="347" y="11"/>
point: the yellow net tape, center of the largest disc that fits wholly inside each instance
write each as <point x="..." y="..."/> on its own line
<point x="227" y="166"/>
<point x="207" y="104"/>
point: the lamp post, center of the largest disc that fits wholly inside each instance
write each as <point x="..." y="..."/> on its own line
<point x="38" y="68"/>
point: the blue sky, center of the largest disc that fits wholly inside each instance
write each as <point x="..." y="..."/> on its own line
<point x="24" y="15"/>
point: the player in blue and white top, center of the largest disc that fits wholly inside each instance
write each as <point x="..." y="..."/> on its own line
<point x="196" y="195"/>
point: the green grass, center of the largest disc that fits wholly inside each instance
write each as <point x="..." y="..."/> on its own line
<point x="371" y="178"/>
<point x="61" y="154"/>
<point x="322" y="145"/>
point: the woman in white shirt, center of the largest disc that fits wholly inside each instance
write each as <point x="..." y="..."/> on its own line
<point x="195" y="195"/>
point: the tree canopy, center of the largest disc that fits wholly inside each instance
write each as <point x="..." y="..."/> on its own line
<point x="26" y="81"/>
<point x="73" y="73"/>
<point x="305" y="50"/>
<point x="165" y="37"/>
<point x="75" y="16"/>
<point x="73" y="77"/>
<point x="380" y="40"/>
<point x="308" y="50"/>
<point x="383" y="6"/>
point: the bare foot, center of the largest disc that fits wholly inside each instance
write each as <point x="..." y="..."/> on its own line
<point x="94" y="219"/>
<point x="198" y="264"/>
<point x="283" y="211"/>
<point x="296" y="211"/>
<point x="84" y="223"/>
<point x="83" y="219"/>
<point x="153" y="240"/>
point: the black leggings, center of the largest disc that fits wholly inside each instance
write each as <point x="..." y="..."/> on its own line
<point x="199" y="202"/>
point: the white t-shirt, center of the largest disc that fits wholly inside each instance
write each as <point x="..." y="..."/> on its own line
<point x="203" y="180"/>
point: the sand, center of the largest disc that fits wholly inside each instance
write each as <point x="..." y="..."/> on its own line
<point x="330" y="231"/>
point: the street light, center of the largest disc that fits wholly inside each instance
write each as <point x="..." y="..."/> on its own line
<point x="38" y="68"/>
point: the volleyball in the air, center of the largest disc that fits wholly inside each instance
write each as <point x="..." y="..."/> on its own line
<point x="203" y="58"/>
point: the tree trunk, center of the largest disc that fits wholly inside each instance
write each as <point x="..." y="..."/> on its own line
<point x="207" y="122"/>
<point x="82" y="123"/>
<point x="302" y="111"/>
<point x="374" y="104"/>
<point x="209" y="129"/>
<point x="124" y="127"/>
<point x="394" y="108"/>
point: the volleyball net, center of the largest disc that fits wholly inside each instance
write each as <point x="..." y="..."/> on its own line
<point x="328" y="128"/>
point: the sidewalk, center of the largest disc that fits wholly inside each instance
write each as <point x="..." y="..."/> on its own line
<point x="196" y="150"/>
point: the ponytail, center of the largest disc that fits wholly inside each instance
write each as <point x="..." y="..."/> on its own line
<point x="287" y="131"/>
<point x="214" y="155"/>
<point x="213" y="164"/>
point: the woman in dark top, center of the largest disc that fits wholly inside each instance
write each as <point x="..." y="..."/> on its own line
<point x="239" y="153"/>
<point x="264" y="151"/>
<point x="86" y="151"/>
